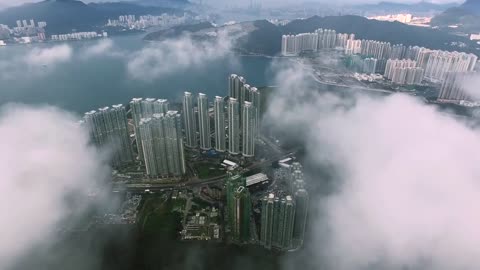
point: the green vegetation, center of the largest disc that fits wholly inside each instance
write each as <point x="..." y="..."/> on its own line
<point x="158" y="220"/>
<point x="467" y="16"/>
<point x="207" y="170"/>
<point x="266" y="38"/>
<point x="179" y="204"/>
<point x="201" y="203"/>
<point x="177" y="31"/>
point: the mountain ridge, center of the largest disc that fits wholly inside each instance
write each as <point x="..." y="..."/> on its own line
<point x="64" y="16"/>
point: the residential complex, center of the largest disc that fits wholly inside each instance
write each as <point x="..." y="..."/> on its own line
<point x="402" y="65"/>
<point x="162" y="144"/>
<point x="453" y="88"/>
<point x="145" y="108"/>
<point x="108" y="128"/>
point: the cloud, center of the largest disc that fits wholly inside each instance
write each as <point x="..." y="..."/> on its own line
<point x="35" y="62"/>
<point x="104" y="47"/>
<point x="174" y="55"/>
<point x="470" y="85"/>
<point x="46" y="157"/>
<point x="406" y="178"/>
<point x="48" y="56"/>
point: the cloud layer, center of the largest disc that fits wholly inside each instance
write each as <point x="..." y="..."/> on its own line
<point x="45" y="158"/>
<point x="407" y="178"/>
<point x="36" y="61"/>
<point x="173" y="55"/>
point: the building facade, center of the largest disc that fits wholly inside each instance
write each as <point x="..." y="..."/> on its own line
<point x="189" y="122"/>
<point x="204" y="122"/>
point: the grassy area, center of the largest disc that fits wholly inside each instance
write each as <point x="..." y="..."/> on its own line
<point x="158" y="220"/>
<point x="179" y="204"/>
<point x="207" y="170"/>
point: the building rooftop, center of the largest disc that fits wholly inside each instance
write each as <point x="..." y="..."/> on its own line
<point x="257" y="178"/>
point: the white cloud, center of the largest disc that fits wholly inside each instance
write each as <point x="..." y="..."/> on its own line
<point x="104" y="47"/>
<point x="174" y="55"/>
<point x="407" y="178"/>
<point x="45" y="157"/>
<point x="37" y="61"/>
<point x="48" y="56"/>
<point x="471" y="86"/>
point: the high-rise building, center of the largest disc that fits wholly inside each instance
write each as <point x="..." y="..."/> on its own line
<point x="277" y="222"/>
<point x="25" y="23"/>
<point x="160" y="106"/>
<point x="403" y="71"/>
<point x="453" y="88"/>
<point x="255" y="98"/>
<point x="32" y="23"/>
<point x="233" y="127"/>
<point x="376" y="49"/>
<point x="288" y="45"/>
<point x="162" y="143"/>
<point x="19" y="23"/>
<point x="266" y="223"/>
<point x="235" y="85"/>
<point x="301" y="213"/>
<point x="438" y="63"/>
<point x="204" y="122"/>
<point x="248" y="129"/>
<point x="189" y="121"/>
<point x="145" y="108"/>
<point x="136" y="108"/>
<point x="353" y="47"/>
<point x="109" y="127"/>
<point x="369" y="65"/>
<point x="219" y="120"/>
<point x="244" y="93"/>
<point x="241" y="215"/>
<point x="238" y="207"/>
<point x="398" y="51"/>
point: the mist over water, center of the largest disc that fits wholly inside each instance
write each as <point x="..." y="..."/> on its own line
<point x="97" y="75"/>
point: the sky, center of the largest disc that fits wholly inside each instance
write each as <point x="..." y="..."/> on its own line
<point x="6" y="3"/>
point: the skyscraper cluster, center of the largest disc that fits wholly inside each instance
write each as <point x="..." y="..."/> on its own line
<point x="354" y="46"/>
<point x="441" y="62"/>
<point x="376" y="49"/>
<point x="243" y="117"/>
<point x="434" y="64"/>
<point x="301" y="202"/>
<point x="369" y="65"/>
<point x="319" y="40"/>
<point x="162" y="144"/>
<point x="145" y="108"/>
<point x="283" y="218"/>
<point x="277" y="222"/>
<point x="453" y="87"/>
<point x="403" y="72"/>
<point x="109" y="127"/>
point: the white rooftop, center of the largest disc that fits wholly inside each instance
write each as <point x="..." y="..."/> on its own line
<point x="257" y="178"/>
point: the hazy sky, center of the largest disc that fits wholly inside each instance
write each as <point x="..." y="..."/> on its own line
<point x="4" y="3"/>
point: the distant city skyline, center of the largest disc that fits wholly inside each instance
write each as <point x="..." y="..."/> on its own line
<point x="10" y="3"/>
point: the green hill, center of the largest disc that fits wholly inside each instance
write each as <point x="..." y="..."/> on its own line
<point x="63" y="16"/>
<point x="467" y="16"/>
